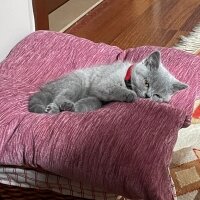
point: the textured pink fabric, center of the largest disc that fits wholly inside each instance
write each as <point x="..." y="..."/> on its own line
<point x="123" y="148"/>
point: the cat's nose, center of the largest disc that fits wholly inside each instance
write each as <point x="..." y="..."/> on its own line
<point x="147" y="96"/>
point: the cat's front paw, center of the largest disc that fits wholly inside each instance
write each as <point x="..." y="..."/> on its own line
<point x="52" y="108"/>
<point x="67" y="106"/>
<point x="131" y="97"/>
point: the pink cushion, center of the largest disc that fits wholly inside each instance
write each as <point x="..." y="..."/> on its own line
<point x="123" y="148"/>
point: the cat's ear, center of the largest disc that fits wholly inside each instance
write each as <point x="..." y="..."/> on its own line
<point x="152" y="62"/>
<point x="177" y="85"/>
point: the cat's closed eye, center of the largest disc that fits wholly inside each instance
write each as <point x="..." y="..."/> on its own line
<point x="157" y="95"/>
<point x="146" y="82"/>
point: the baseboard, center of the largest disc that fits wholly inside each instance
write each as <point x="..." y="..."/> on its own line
<point x="69" y="13"/>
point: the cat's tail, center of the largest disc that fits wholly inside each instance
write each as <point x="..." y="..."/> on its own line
<point x="39" y="101"/>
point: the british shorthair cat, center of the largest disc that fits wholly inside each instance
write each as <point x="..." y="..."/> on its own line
<point x="85" y="89"/>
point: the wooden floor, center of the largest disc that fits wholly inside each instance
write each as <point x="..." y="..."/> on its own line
<point x="132" y="23"/>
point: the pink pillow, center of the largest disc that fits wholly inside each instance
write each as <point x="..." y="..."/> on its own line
<point x="123" y="148"/>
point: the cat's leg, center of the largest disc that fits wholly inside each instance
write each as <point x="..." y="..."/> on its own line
<point x="119" y="93"/>
<point x="52" y="108"/>
<point x="59" y="104"/>
<point x="87" y="104"/>
<point x="115" y="93"/>
<point x="64" y="103"/>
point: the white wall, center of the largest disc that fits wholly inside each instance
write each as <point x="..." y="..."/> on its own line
<point x="16" y="21"/>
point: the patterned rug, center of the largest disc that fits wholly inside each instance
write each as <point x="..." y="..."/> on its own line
<point x="185" y="171"/>
<point x="191" y="43"/>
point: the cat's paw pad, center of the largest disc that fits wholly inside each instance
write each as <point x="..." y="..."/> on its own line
<point x="131" y="97"/>
<point x="67" y="106"/>
<point x="52" y="108"/>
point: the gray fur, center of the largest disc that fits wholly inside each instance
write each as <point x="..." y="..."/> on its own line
<point x="85" y="89"/>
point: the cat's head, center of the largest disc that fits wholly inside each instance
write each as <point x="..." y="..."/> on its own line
<point x="150" y="79"/>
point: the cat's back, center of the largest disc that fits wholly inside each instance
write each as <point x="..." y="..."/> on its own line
<point x="101" y="72"/>
<point x="87" y="76"/>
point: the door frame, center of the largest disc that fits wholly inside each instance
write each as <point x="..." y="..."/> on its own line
<point x="41" y="10"/>
<point x="40" y="14"/>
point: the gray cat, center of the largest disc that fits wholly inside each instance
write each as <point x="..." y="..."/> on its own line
<point x="86" y="89"/>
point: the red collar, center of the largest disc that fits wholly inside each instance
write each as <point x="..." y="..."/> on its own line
<point x="127" y="78"/>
